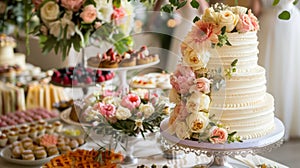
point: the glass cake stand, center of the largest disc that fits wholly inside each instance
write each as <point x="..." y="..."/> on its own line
<point x="122" y="73"/>
<point x="221" y="152"/>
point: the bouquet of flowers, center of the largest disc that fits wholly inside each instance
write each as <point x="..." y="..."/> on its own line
<point x="68" y="23"/>
<point x="130" y="114"/>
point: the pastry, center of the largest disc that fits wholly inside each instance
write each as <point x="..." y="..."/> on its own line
<point x="93" y="61"/>
<point x="40" y="154"/>
<point x="28" y="145"/>
<point x="65" y="149"/>
<point x="3" y="140"/>
<point x="32" y="133"/>
<point x="41" y="130"/>
<point x="73" y="144"/>
<point x="127" y="61"/>
<point x="154" y="57"/>
<point x="23" y="133"/>
<point x="80" y="141"/>
<point x="12" y="137"/>
<point x="28" y="155"/>
<point x="49" y="129"/>
<point x="57" y="126"/>
<point x="42" y="122"/>
<point x="52" y="150"/>
<point x="17" y="152"/>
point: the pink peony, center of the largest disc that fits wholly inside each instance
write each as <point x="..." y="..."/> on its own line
<point x="203" y="85"/>
<point x="201" y="32"/>
<point x="73" y="5"/>
<point x="244" y="24"/>
<point x="218" y="135"/>
<point x="182" y="79"/>
<point x="131" y="101"/>
<point x="88" y="14"/>
<point x="107" y="110"/>
<point x="254" y="20"/>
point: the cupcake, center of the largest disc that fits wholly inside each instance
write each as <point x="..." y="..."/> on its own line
<point x="41" y="130"/>
<point x="12" y="136"/>
<point x="49" y="129"/>
<point x="5" y="131"/>
<point x="52" y="150"/>
<point x="57" y="126"/>
<point x="32" y="125"/>
<point x="17" y="152"/>
<point x="65" y="149"/>
<point x="3" y="140"/>
<point x="28" y="155"/>
<point x="40" y="154"/>
<point x="15" y="129"/>
<point x="28" y="145"/>
<point x="73" y="144"/>
<point x="25" y="127"/>
<point x="42" y="122"/>
<point x="33" y="133"/>
<point x="23" y="133"/>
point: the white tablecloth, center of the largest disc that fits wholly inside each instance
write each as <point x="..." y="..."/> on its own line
<point x="149" y="151"/>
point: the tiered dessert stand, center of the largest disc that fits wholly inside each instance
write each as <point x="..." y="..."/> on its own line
<point x="221" y="152"/>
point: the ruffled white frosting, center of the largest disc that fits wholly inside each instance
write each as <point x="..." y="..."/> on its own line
<point x="243" y="104"/>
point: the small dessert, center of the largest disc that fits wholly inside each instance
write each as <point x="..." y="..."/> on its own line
<point x="73" y="144"/>
<point x="60" y="144"/>
<point x="12" y="136"/>
<point x="49" y="129"/>
<point x="48" y="140"/>
<point x="52" y="150"/>
<point x="93" y="61"/>
<point x="32" y="125"/>
<point x="14" y="129"/>
<point x="127" y="60"/>
<point x="80" y="141"/>
<point x="28" y="145"/>
<point x="154" y="57"/>
<point x="3" y="140"/>
<point x="40" y="153"/>
<point x="28" y="155"/>
<point x="41" y="130"/>
<point x="17" y="152"/>
<point x="32" y="133"/>
<point x="25" y="127"/>
<point x="42" y="122"/>
<point x="17" y="143"/>
<point x="57" y="126"/>
<point x="23" y="134"/>
<point x="65" y="149"/>
<point x="5" y="131"/>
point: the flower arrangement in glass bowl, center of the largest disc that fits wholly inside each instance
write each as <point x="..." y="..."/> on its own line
<point x="68" y="23"/>
<point x="190" y="118"/>
<point x="130" y="114"/>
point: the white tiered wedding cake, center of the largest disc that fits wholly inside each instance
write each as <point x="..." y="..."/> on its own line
<point x="224" y="38"/>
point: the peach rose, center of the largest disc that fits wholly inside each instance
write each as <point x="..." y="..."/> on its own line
<point x="88" y="14"/>
<point x="73" y="5"/>
<point x="244" y="24"/>
<point x="218" y="135"/>
<point x="201" y="85"/>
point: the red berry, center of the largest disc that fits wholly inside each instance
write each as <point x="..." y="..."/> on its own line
<point x="66" y="80"/>
<point x="101" y="79"/>
<point x="110" y="52"/>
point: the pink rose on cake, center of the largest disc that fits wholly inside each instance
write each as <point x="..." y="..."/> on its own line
<point x="182" y="79"/>
<point x="73" y="5"/>
<point x="88" y="14"/>
<point x="218" y="135"/>
<point x="202" y="85"/>
<point x="197" y="122"/>
<point x="254" y="20"/>
<point x="131" y="101"/>
<point x="244" y="24"/>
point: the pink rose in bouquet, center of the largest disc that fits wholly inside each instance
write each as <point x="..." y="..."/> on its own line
<point x="203" y="85"/>
<point x="107" y="110"/>
<point x="118" y="13"/>
<point x="73" y="5"/>
<point x="182" y="79"/>
<point x="218" y="135"/>
<point x="37" y="3"/>
<point x="88" y="14"/>
<point x="244" y="24"/>
<point x="131" y="101"/>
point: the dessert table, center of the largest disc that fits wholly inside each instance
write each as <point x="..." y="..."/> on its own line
<point x="149" y="152"/>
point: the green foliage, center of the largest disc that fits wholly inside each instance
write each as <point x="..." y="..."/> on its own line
<point x="196" y="19"/>
<point x="295" y="2"/>
<point x="195" y="4"/>
<point x="285" y="15"/>
<point x="275" y="2"/>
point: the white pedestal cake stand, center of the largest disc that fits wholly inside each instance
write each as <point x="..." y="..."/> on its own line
<point x="220" y="152"/>
<point x="122" y="73"/>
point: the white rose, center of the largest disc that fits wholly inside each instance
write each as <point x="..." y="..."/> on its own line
<point x="204" y="102"/>
<point x="49" y="11"/>
<point x="228" y="19"/>
<point x="147" y="109"/>
<point x="105" y="9"/>
<point x="197" y="122"/>
<point x="195" y="58"/>
<point x="174" y="96"/>
<point x="70" y="29"/>
<point x="239" y="10"/>
<point x="55" y="29"/>
<point x="210" y="15"/>
<point x="182" y="130"/>
<point x="111" y="100"/>
<point x="193" y="102"/>
<point x="123" y="113"/>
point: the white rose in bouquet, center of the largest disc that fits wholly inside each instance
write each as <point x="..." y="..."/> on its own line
<point x="197" y="122"/>
<point x="111" y="100"/>
<point x="49" y="11"/>
<point x="147" y="109"/>
<point x="239" y="10"/>
<point x="104" y="9"/>
<point x="123" y="113"/>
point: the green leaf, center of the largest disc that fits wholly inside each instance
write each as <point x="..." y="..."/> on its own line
<point x="195" y="4"/>
<point x="196" y="19"/>
<point x="275" y="2"/>
<point x="167" y="8"/>
<point x="174" y="2"/>
<point x="117" y="3"/>
<point x="223" y="30"/>
<point x="285" y="15"/>
<point x="182" y="4"/>
<point x="295" y="2"/>
<point x="234" y="62"/>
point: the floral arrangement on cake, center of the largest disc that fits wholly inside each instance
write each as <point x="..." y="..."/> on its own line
<point x="212" y="29"/>
<point x="68" y="23"/>
<point x="130" y="114"/>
